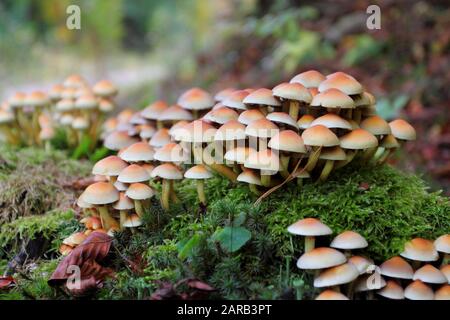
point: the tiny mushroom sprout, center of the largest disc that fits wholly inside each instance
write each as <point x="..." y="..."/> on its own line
<point x="443" y="293"/>
<point x="430" y="274"/>
<point x="309" y="228"/>
<point x="123" y="205"/>
<point x="336" y="276"/>
<point x="110" y="166"/>
<point x="199" y="173"/>
<point x="262" y="99"/>
<point x="331" y="295"/>
<point x="101" y="194"/>
<point x="252" y="178"/>
<point x="442" y="244"/>
<point x="392" y="290"/>
<point x="419" y="249"/>
<point x="167" y="172"/>
<point x="138" y="152"/>
<point x="153" y="111"/>
<point x="321" y="258"/>
<point x="397" y="268"/>
<point x="318" y="137"/>
<point x="309" y="79"/>
<point x="357" y="140"/>
<point x="196" y="100"/>
<point x="295" y="94"/>
<point x="287" y="142"/>
<point x="349" y="240"/>
<point x="266" y="161"/>
<point x="139" y="192"/>
<point x="418" y="290"/>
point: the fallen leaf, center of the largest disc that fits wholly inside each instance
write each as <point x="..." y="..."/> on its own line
<point x="6" y="282"/>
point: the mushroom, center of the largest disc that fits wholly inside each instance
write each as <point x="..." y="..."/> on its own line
<point x="345" y="83"/>
<point x="123" y="205"/>
<point x="430" y="274"/>
<point x="138" y="152"/>
<point x="295" y="94"/>
<point x="105" y="89"/>
<point x="309" y="228"/>
<point x="283" y="120"/>
<point x="336" y="276"/>
<point x="361" y="263"/>
<point x="221" y="115"/>
<point x="321" y="258"/>
<point x="333" y="122"/>
<point x="235" y="100"/>
<point x="263" y="99"/>
<point x="355" y="141"/>
<point x="132" y="221"/>
<point x="331" y="295"/>
<point x="445" y="269"/>
<point x="305" y="122"/>
<point x="110" y="166"/>
<point x="397" y="268"/>
<point x="333" y="100"/>
<point x="132" y="174"/>
<point x="199" y="173"/>
<point x="160" y="138"/>
<point x="80" y="125"/>
<point x="252" y="178"/>
<point x="249" y="116"/>
<point x="402" y="131"/>
<point x="259" y="131"/>
<point x="379" y="128"/>
<point x="309" y="79"/>
<point x="46" y="135"/>
<point x="230" y="134"/>
<point x="224" y="94"/>
<point x="166" y="172"/>
<point x="266" y="161"/>
<point x="349" y="240"/>
<point x="368" y="283"/>
<point x="100" y="194"/>
<point x="238" y="155"/>
<point x="442" y="244"/>
<point x="330" y="155"/>
<point x="287" y="142"/>
<point x="392" y="290"/>
<point x="139" y="192"/>
<point x="443" y="293"/>
<point x="196" y="100"/>
<point x="386" y="147"/>
<point x="117" y="140"/>
<point x="418" y="290"/>
<point x="153" y="111"/>
<point x="174" y="114"/>
<point x="418" y="250"/>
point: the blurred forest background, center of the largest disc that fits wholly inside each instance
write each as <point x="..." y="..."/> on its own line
<point x="156" y="49"/>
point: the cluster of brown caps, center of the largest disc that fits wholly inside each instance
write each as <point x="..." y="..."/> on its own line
<point x="91" y="223"/>
<point x="73" y="105"/>
<point x="420" y="281"/>
<point x="305" y="128"/>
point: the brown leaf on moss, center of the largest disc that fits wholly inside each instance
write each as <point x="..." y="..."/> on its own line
<point x="87" y="257"/>
<point x="6" y="282"/>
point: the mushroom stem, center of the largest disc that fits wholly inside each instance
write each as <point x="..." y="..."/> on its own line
<point x="123" y="217"/>
<point x="108" y="222"/>
<point x="201" y="191"/>
<point x="284" y="164"/>
<point x="386" y="155"/>
<point x="326" y="170"/>
<point x="165" y="197"/>
<point x="350" y="155"/>
<point x="309" y="243"/>
<point x="313" y="158"/>
<point x="197" y="151"/>
<point x="173" y="195"/>
<point x="254" y="189"/>
<point x="369" y="153"/>
<point x="294" y="108"/>
<point x="224" y="170"/>
<point x="378" y="154"/>
<point x="138" y="208"/>
<point x="159" y="124"/>
<point x="265" y="179"/>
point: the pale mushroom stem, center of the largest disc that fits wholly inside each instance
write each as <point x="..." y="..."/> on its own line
<point x="219" y="168"/>
<point x="165" y="196"/>
<point x="173" y="195"/>
<point x="294" y="109"/>
<point x="378" y="154"/>
<point x="313" y="158"/>
<point x="369" y="153"/>
<point x="265" y="179"/>
<point x="387" y="153"/>
<point x="123" y="217"/>
<point x="201" y="191"/>
<point x="310" y="242"/>
<point x="329" y="165"/>
<point x="284" y="164"/>
<point x="139" y="208"/>
<point x="108" y="222"/>
<point x="254" y="189"/>
<point x="350" y="155"/>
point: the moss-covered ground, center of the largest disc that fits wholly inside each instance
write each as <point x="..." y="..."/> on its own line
<point x="243" y="250"/>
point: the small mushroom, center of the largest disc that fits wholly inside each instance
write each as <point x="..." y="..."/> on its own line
<point x="287" y="143"/>
<point x="167" y="172"/>
<point x="266" y="161"/>
<point x="196" y="100"/>
<point x="139" y="192"/>
<point x="430" y="274"/>
<point x="262" y="99"/>
<point x="252" y="178"/>
<point x="123" y="205"/>
<point x="392" y="290"/>
<point x="336" y="276"/>
<point x="309" y="228"/>
<point x="356" y="141"/>
<point x="296" y="94"/>
<point x="419" y="250"/>
<point x="443" y="293"/>
<point x="153" y="111"/>
<point x="397" y="268"/>
<point x="321" y="258"/>
<point x="110" y="166"/>
<point x="349" y="240"/>
<point x="418" y="290"/>
<point x="199" y="173"/>
<point x="442" y="244"/>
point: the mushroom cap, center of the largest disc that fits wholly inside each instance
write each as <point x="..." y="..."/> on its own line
<point x="17" y="100"/>
<point x="221" y="115"/>
<point x="83" y="204"/>
<point x="139" y="191"/>
<point x="420" y="249"/>
<point x="249" y="176"/>
<point x="287" y="140"/>
<point x="309" y="79"/>
<point x="332" y="153"/>
<point x="331" y="295"/>
<point x="100" y="193"/>
<point x="361" y="263"/>
<point x="86" y="102"/>
<point x="402" y="130"/>
<point x="125" y="115"/>
<point x="105" y="105"/>
<point x="146" y="131"/>
<point x="160" y="138"/>
<point x="36" y="98"/>
<point x="349" y="240"/>
<point x="105" y="88"/>
<point x="77" y="238"/>
<point x="230" y="131"/>
<point x="137" y="152"/>
<point x="335" y="276"/>
<point x="333" y="98"/>
<point x="167" y="171"/>
<point x="175" y="113"/>
<point x="239" y="154"/>
<point x="331" y="120"/>
<point x="343" y="82"/>
<point x="198" y="172"/>
<point x="305" y="121"/>
<point x="443" y="293"/>
<point x="418" y="290"/>
<point x="120" y="186"/>
<point x="171" y="152"/>
<point x="124" y="202"/>
<point x="55" y="91"/>
<point x="196" y="131"/>
<point x="369" y="282"/>
<point x="320" y="136"/>
<point x="310" y="227"/>
<point x="176" y="126"/>
<point x="154" y="110"/>
<point x="132" y="221"/>
<point x="117" y="140"/>
<point x="376" y="125"/>
<point x="397" y="267"/>
<point x="74" y="81"/>
<point x="264" y="160"/>
<point x="364" y="99"/>
<point x="109" y="166"/>
<point x="133" y="173"/>
<point x="261" y="128"/>
<point x="389" y="142"/>
<point x="292" y="91"/>
<point x="65" y="105"/>
<point x="392" y="290"/>
<point x="248" y="116"/>
<point x="66" y="119"/>
<point x="80" y="123"/>
<point x="442" y="243"/>
<point x="137" y="119"/>
<point x="46" y="133"/>
<point x="283" y="118"/>
<point x="235" y="100"/>
<point x="446" y="271"/>
<point x="321" y="258"/>
<point x="429" y="274"/>
<point x="196" y="99"/>
<point x="224" y="94"/>
<point x="358" y="139"/>
<point x="262" y="96"/>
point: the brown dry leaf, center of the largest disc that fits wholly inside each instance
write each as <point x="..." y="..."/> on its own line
<point x="87" y="256"/>
<point x="199" y="285"/>
<point x="6" y="282"/>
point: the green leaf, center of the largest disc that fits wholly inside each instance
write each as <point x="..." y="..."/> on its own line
<point x="99" y="154"/>
<point x="186" y="250"/>
<point x="83" y="148"/>
<point x="231" y="239"/>
<point x="239" y="219"/>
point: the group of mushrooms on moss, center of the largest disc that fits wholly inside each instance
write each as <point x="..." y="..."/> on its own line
<point x="74" y="106"/>
<point x="340" y="266"/>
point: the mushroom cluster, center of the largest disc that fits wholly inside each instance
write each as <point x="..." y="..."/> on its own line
<point x="337" y="266"/>
<point x="75" y="106"/>
<point x="306" y="128"/>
